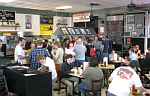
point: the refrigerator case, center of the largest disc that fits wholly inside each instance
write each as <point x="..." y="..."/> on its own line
<point x="10" y="45"/>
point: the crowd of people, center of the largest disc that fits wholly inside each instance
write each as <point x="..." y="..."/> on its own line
<point x="61" y="57"/>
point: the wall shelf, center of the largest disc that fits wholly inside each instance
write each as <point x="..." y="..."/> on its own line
<point x="10" y="26"/>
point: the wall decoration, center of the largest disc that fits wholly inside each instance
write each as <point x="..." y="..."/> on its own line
<point x="28" y="22"/>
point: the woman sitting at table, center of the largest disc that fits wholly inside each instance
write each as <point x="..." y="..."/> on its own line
<point x="113" y="56"/>
<point x="138" y="51"/>
<point x="89" y="74"/>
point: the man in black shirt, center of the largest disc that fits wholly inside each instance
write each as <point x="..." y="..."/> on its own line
<point x="66" y="67"/>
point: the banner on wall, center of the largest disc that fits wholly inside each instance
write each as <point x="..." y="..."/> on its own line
<point x="28" y="21"/>
<point x="46" y="25"/>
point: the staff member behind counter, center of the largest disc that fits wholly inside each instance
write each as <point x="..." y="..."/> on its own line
<point x="123" y="79"/>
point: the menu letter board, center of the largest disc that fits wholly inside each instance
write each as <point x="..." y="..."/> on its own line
<point x="7" y="16"/>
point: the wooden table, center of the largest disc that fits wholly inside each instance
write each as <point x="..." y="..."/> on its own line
<point x="109" y="66"/>
<point x="117" y="63"/>
<point x="107" y="70"/>
<point x="75" y="75"/>
<point x="78" y="75"/>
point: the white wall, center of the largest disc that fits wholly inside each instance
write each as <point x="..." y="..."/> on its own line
<point x="20" y="18"/>
<point x="62" y="21"/>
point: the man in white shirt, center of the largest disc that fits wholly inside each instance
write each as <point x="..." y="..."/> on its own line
<point x="47" y="62"/>
<point x="50" y="65"/>
<point x="122" y="79"/>
<point x="19" y="53"/>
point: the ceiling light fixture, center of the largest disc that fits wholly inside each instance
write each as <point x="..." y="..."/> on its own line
<point x="6" y="1"/>
<point x="63" y="7"/>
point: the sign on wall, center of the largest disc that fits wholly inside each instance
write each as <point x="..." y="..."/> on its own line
<point x="28" y="21"/>
<point x="81" y="17"/>
<point x="46" y="25"/>
<point x="7" y="17"/>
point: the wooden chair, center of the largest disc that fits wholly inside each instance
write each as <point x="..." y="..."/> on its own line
<point x="96" y="88"/>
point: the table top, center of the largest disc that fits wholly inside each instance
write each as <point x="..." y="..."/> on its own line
<point x="114" y="62"/>
<point x="75" y="74"/>
<point x="109" y="66"/>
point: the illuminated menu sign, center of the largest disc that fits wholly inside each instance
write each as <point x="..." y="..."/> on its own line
<point x="6" y="16"/>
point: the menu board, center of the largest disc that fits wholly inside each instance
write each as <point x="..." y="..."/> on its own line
<point x="71" y="31"/>
<point x="88" y="31"/>
<point x="46" y="25"/>
<point x="46" y="20"/>
<point x="64" y="30"/>
<point x="7" y="16"/>
<point x="83" y="31"/>
<point x="77" y="31"/>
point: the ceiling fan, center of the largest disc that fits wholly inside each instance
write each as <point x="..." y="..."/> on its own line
<point x="132" y="7"/>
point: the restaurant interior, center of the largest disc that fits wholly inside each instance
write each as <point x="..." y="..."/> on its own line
<point x="74" y="48"/>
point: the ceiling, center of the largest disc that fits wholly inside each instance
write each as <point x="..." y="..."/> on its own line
<point x="77" y="5"/>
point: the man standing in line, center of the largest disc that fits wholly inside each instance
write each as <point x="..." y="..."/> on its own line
<point x="19" y="54"/>
<point x="38" y="51"/>
<point x="80" y="51"/>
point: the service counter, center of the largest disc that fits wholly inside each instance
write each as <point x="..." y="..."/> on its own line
<point x="27" y="82"/>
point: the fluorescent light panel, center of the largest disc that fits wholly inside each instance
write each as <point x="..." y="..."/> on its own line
<point x="6" y="1"/>
<point x="63" y="7"/>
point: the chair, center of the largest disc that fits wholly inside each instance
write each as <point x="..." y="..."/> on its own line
<point x="96" y="88"/>
<point x="3" y="86"/>
<point x="62" y="85"/>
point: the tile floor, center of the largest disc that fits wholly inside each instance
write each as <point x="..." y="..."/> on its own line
<point x="62" y="93"/>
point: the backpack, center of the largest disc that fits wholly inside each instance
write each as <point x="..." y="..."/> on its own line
<point x="93" y="52"/>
